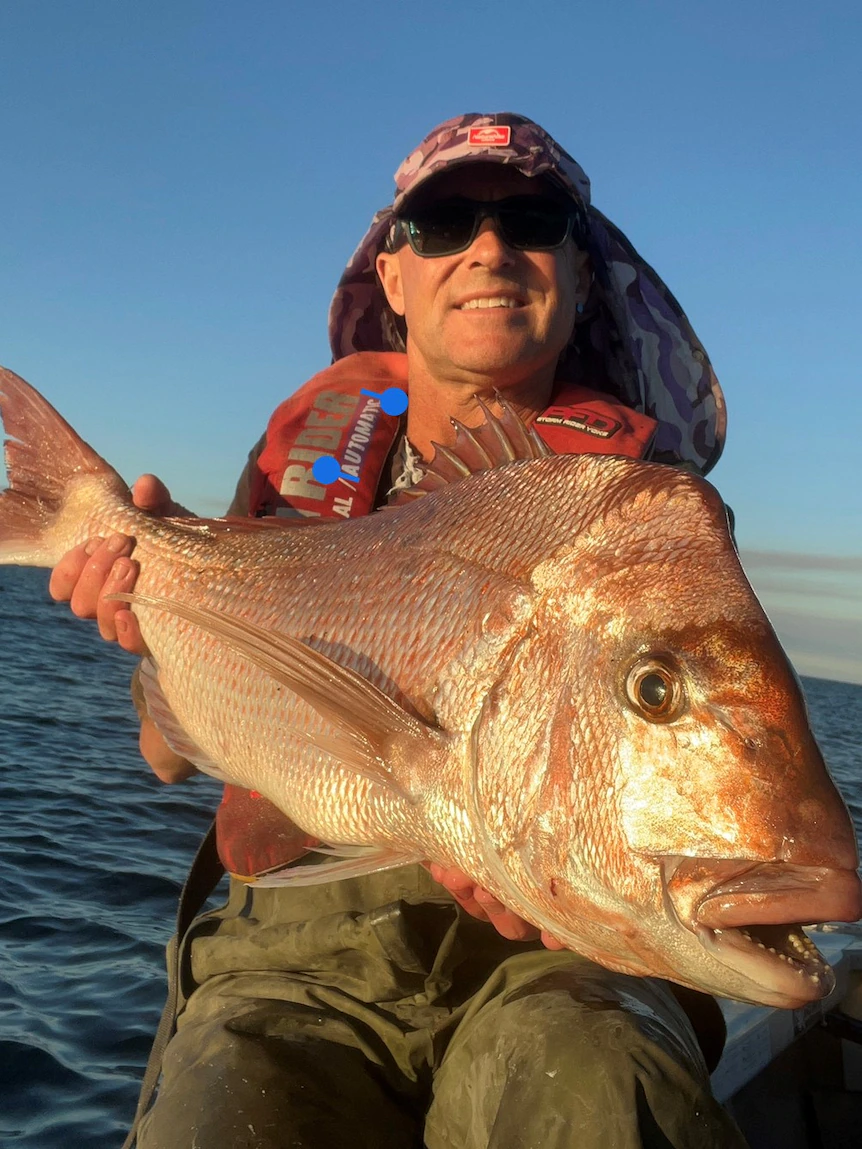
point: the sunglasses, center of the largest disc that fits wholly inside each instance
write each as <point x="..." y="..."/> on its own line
<point x="523" y="222"/>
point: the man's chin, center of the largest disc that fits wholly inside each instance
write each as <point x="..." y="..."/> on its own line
<point x="498" y="354"/>
<point x="501" y="370"/>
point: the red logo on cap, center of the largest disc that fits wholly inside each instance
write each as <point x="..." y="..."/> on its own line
<point x="489" y="136"/>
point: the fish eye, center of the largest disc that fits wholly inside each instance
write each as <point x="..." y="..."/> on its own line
<point x="655" y="690"/>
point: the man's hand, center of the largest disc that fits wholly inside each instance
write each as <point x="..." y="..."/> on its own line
<point x="486" y="908"/>
<point x="167" y="766"/>
<point x="88" y="573"/>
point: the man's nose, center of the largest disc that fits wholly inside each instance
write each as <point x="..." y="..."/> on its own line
<point x="489" y="249"/>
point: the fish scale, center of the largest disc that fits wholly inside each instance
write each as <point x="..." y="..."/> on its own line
<point x="463" y="678"/>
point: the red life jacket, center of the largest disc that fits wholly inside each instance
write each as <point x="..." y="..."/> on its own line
<point x="332" y="415"/>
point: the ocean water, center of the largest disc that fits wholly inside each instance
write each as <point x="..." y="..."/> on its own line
<point x="93" y="851"/>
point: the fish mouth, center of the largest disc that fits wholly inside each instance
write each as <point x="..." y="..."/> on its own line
<point x="750" y="916"/>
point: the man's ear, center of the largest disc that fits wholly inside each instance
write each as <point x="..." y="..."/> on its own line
<point x="583" y="275"/>
<point x="389" y="272"/>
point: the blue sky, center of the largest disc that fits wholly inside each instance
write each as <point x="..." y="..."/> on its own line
<point x="183" y="183"/>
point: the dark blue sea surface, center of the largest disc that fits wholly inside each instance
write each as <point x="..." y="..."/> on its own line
<point x="93" y="851"/>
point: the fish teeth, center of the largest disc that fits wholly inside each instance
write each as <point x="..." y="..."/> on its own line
<point x="806" y="960"/>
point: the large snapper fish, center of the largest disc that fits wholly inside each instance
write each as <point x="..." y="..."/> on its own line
<point x="553" y="674"/>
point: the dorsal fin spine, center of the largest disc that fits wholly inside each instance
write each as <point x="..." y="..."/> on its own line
<point x="499" y="440"/>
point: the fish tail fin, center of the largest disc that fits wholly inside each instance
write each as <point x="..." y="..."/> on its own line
<point x="44" y="455"/>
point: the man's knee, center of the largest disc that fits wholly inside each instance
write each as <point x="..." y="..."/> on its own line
<point x="565" y="1060"/>
<point x="265" y="1077"/>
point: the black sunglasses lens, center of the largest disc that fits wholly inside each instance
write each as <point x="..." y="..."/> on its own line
<point x="442" y="228"/>
<point x="527" y="223"/>
<point x="533" y="224"/>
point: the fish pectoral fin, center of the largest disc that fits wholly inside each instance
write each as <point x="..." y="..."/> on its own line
<point x="357" y="757"/>
<point x="241" y="524"/>
<point x="350" y="862"/>
<point x="168" y="725"/>
<point x="373" y="730"/>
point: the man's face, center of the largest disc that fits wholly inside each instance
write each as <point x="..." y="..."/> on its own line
<point x="540" y="290"/>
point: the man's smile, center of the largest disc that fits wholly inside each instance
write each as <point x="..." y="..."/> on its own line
<point x="485" y="302"/>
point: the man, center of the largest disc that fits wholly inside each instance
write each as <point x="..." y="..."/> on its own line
<point x="375" y="1011"/>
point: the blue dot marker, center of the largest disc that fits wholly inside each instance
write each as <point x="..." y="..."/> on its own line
<point x="326" y="470"/>
<point x="393" y="400"/>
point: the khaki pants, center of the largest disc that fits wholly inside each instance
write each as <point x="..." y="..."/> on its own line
<point x="374" y="1014"/>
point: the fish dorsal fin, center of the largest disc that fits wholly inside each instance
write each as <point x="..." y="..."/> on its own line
<point x="500" y="439"/>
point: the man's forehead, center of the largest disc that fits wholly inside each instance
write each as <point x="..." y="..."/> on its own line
<point x="481" y="182"/>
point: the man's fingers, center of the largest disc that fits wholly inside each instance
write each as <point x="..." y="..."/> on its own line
<point x="120" y="579"/>
<point x="102" y="566"/>
<point x="460" y="887"/>
<point x="550" y="942"/>
<point x="86" y="574"/>
<point x="149" y="493"/>
<point x="509" y="924"/>
<point x="80" y="575"/>
<point x="65" y="575"/>
<point x="482" y="904"/>
<point x="129" y="631"/>
<point x="165" y="764"/>
<point x="455" y="880"/>
<point x="467" y="901"/>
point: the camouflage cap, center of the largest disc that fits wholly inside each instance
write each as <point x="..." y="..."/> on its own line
<point x="633" y="340"/>
<point x="499" y="139"/>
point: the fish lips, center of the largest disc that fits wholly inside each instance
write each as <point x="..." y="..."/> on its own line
<point x="775" y="893"/>
<point x="748" y="915"/>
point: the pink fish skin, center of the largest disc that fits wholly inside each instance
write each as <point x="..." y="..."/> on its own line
<point x="553" y="674"/>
